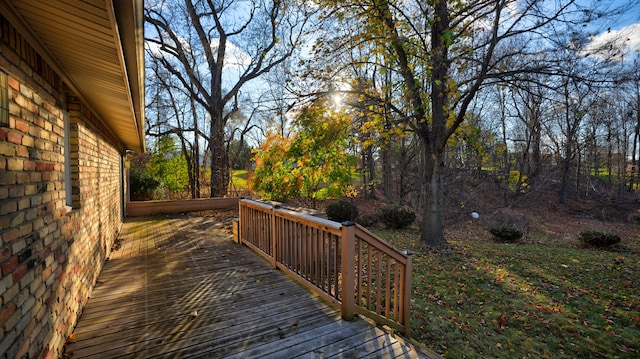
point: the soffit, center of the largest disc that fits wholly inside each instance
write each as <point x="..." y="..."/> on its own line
<point x="98" y="46"/>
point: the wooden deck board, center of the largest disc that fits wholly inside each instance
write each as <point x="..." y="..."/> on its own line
<point x="168" y="268"/>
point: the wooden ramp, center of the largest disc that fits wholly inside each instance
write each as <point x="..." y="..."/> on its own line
<point x="179" y="287"/>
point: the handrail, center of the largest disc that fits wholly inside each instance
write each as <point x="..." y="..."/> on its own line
<point x="326" y="256"/>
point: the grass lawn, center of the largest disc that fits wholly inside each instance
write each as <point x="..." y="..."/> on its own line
<point x="239" y="179"/>
<point x="488" y="299"/>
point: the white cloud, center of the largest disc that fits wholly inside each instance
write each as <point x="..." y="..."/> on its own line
<point x="235" y="58"/>
<point x="615" y="44"/>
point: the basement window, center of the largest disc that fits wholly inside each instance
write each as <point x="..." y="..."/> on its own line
<point x="4" y="99"/>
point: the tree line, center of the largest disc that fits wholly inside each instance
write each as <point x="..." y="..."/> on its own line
<point x="518" y="89"/>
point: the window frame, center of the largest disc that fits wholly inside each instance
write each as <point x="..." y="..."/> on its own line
<point x="4" y="99"/>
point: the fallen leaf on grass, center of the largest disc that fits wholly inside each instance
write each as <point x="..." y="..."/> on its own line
<point x="503" y="320"/>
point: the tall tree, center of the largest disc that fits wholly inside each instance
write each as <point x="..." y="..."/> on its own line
<point x="176" y="113"/>
<point x="214" y="48"/>
<point x="445" y="52"/>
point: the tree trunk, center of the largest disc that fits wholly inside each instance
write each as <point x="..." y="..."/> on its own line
<point x="196" y="151"/>
<point x="363" y="174"/>
<point x="634" y="162"/>
<point x="371" y="166"/>
<point x="566" y="174"/>
<point x="578" y="170"/>
<point x="505" y="152"/>
<point x="537" y="157"/>
<point x="386" y="173"/>
<point x="219" y="160"/>
<point x="432" y="233"/>
<point x="433" y="142"/>
<point x="635" y="171"/>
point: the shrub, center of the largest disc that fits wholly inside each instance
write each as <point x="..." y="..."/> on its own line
<point x="143" y="185"/>
<point x="342" y="211"/>
<point x="509" y="234"/>
<point x="368" y="219"/>
<point x="397" y="217"/>
<point x="598" y="239"/>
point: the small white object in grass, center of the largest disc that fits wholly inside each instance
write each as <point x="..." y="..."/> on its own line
<point x="475" y="215"/>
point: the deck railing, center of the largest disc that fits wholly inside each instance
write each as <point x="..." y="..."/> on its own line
<point x="342" y="262"/>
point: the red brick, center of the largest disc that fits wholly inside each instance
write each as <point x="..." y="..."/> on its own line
<point x="20" y="272"/>
<point x="5" y="253"/>
<point x="14" y="137"/>
<point x="45" y="253"/>
<point x="41" y="166"/>
<point x="10" y="235"/>
<point x="13" y="83"/>
<point x="22" y="151"/>
<point x="7" y="312"/>
<point x="29" y="165"/>
<point x="22" y="126"/>
<point x="3" y="134"/>
<point x="46" y="272"/>
<point x="9" y="266"/>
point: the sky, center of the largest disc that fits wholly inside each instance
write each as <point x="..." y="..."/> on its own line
<point x="622" y="29"/>
<point x="627" y="37"/>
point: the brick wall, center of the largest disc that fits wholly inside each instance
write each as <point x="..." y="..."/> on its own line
<point x="50" y="253"/>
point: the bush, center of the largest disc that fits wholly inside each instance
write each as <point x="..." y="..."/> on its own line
<point x="368" y="219"/>
<point x="397" y="217"/>
<point x="598" y="239"/>
<point x="143" y="185"/>
<point x="342" y="211"/>
<point x="506" y="233"/>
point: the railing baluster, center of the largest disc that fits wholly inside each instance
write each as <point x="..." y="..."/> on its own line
<point x="369" y="276"/>
<point x="358" y="270"/>
<point x="336" y="268"/>
<point x="378" y="282"/>
<point x="387" y="287"/>
<point x="398" y="290"/>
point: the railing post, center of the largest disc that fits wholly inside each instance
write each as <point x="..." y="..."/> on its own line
<point x="274" y="237"/>
<point x="347" y="270"/>
<point x="236" y="229"/>
<point x="407" y="295"/>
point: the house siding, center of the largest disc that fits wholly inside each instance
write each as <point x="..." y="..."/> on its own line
<point x="50" y="253"/>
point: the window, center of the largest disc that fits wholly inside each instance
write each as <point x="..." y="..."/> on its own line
<point x="67" y="161"/>
<point x="4" y="99"/>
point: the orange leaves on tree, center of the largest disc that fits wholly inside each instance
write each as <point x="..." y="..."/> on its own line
<point x="313" y="162"/>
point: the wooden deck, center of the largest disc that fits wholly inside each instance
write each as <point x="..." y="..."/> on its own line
<point x="180" y="287"/>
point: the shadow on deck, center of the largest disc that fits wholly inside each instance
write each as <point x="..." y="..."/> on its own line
<point x="180" y="287"/>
